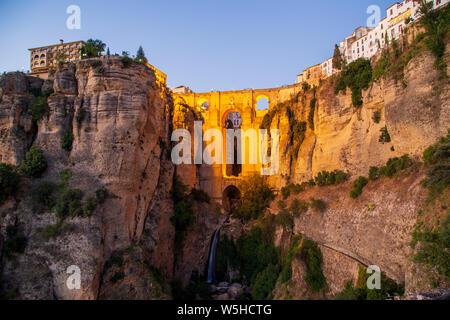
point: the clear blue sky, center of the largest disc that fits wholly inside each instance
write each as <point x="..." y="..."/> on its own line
<point x="204" y="44"/>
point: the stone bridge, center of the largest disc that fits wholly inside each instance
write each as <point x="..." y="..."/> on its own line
<point x="216" y="109"/>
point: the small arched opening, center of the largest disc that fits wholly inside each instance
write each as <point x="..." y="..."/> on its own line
<point x="234" y="121"/>
<point x="262" y="103"/>
<point x="231" y="198"/>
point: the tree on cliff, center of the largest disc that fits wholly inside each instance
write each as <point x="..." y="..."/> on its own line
<point x="338" y="62"/>
<point x="140" y="55"/>
<point x="92" y="49"/>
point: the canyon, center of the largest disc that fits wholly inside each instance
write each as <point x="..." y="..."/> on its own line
<point x="122" y="119"/>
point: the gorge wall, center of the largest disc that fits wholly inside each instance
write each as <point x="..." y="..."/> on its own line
<point x="120" y="120"/>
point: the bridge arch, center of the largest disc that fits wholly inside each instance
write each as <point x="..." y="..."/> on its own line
<point x="231" y="198"/>
<point x="262" y="102"/>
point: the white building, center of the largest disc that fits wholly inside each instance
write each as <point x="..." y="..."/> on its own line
<point x="365" y="42"/>
<point x="327" y="68"/>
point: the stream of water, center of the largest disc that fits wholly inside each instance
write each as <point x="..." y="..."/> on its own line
<point x="212" y="258"/>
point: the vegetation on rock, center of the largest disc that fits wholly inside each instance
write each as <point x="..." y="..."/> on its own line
<point x="34" y="164"/>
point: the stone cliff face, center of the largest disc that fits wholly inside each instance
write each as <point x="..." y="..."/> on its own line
<point x="347" y="139"/>
<point x="120" y="120"/>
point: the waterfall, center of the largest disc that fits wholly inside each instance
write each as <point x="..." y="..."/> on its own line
<point x="212" y="258"/>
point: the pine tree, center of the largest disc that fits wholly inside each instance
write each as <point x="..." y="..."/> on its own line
<point x="338" y="63"/>
<point x="108" y="53"/>
<point x="140" y="55"/>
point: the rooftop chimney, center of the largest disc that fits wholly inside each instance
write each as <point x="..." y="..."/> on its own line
<point x="61" y="41"/>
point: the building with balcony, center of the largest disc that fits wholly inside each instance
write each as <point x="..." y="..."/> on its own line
<point x="44" y="59"/>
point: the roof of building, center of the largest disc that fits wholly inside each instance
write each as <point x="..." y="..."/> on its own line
<point x="55" y="45"/>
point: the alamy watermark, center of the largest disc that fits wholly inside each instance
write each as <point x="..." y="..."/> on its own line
<point x="235" y="150"/>
<point x="74" y="280"/>
<point x="73" y="22"/>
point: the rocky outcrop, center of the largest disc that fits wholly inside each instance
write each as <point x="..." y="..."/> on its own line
<point x="120" y="119"/>
<point x="16" y="127"/>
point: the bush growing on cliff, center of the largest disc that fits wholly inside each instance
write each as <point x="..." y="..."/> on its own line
<point x="298" y="136"/>
<point x="298" y="207"/>
<point x="34" y="164"/>
<point x="357" y="76"/>
<point x="286" y="271"/>
<point x="265" y="283"/>
<point x="200" y="196"/>
<point x="67" y="140"/>
<point x="312" y="256"/>
<point x="318" y="205"/>
<point x="312" y="111"/>
<point x="9" y="181"/>
<point x="376" y="116"/>
<point x="39" y="109"/>
<point x="389" y="288"/>
<point x="92" y="48"/>
<point x="15" y="242"/>
<point x="384" y="137"/>
<point x="358" y="186"/>
<point x="256" y="252"/>
<point x="101" y="194"/>
<point x="434" y="248"/>
<point x="256" y="198"/>
<point x="183" y="214"/>
<point x="326" y="178"/>
<point x="43" y="196"/>
<point x="437" y="161"/>
<point x="69" y="204"/>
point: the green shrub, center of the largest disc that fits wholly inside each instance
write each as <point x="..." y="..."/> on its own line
<point x="396" y="165"/>
<point x="15" y="243"/>
<point x="34" y="164"/>
<point x="384" y="137"/>
<point x="298" y="136"/>
<point x="318" y="205"/>
<point x="117" y="277"/>
<point x="434" y="248"/>
<point x="285" y="219"/>
<point x="9" y="181"/>
<point x="298" y="207"/>
<point x="200" y="196"/>
<point x="357" y="76"/>
<point x="374" y="173"/>
<point x="256" y="252"/>
<point x="376" y="116"/>
<point x="101" y="195"/>
<point x="39" y="109"/>
<point x="226" y="257"/>
<point x="126" y="61"/>
<point x="81" y="113"/>
<point x="389" y="289"/>
<point x="92" y="48"/>
<point x="89" y="207"/>
<point x="265" y="283"/>
<point x="285" y="192"/>
<point x="312" y="257"/>
<point x="312" y="110"/>
<point x="51" y="231"/>
<point x="256" y="198"/>
<point x="381" y="68"/>
<point x="183" y="214"/>
<point x="286" y="271"/>
<point x="358" y="186"/>
<point x="326" y="178"/>
<point x="69" y="204"/>
<point x="67" y="140"/>
<point x="42" y="196"/>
